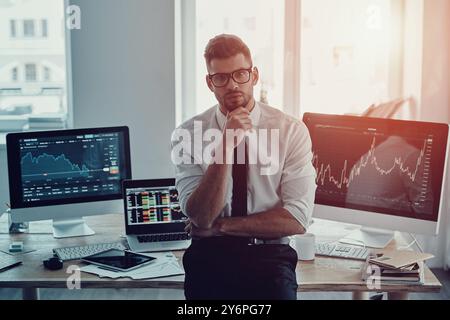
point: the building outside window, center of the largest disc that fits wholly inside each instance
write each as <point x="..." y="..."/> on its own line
<point x="30" y="72"/>
<point x="44" y="28"/>
<point x="28" y="28"/>
<point x="13" y="28"/>
<point x="47" y="74"/>
<point x="15" y="74"/>
<point x="32" y="65"/>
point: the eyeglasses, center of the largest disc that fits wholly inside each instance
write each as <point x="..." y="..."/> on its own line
<point x="240" y="76"/>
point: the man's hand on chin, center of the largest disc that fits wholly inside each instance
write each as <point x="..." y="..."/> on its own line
<point x="196" y="232"/>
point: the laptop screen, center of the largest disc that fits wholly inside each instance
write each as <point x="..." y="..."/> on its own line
<point x="153" y="205"/>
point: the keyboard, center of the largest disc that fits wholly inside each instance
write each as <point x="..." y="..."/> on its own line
<point x="7" y="261"/>
<point x="341" y="251"/>
<point x="79" y="252"/>
<point x="163" y="237"/>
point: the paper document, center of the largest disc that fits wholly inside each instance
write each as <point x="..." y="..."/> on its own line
<point x="398" y="258"/>
<point x="166" y="264"/>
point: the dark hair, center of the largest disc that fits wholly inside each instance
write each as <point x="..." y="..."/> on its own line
<point x="225" y="46"/>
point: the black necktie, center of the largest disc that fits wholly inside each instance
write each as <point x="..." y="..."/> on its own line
<point x="239" y="198"/>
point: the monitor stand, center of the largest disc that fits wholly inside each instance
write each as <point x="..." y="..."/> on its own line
<point x="369" y="237"/>
<point x="72" y="227"/>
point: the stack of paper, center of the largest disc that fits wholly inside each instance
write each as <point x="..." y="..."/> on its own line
<point x="396" y="267"/>
<point x="166" y="264"/>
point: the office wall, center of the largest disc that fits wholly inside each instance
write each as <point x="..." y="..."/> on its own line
<point x="123" y="74"/>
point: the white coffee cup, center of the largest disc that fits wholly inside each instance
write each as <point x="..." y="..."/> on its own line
<point x="305" y="246"/>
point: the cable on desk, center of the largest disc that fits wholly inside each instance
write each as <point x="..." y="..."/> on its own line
<point x="356" y="240"/>
<point x="411" y="244"/>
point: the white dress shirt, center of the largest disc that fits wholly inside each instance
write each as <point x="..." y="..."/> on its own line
<point x="292" y="186"/>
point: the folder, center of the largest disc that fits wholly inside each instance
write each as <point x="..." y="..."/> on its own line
<point x="397" y="259"/>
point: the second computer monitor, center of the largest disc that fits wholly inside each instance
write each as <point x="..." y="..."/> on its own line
<point x="67" y="174"/>
<point x="379" y="173"/>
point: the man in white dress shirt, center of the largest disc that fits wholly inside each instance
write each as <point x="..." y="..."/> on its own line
<point x="241" y="215"/>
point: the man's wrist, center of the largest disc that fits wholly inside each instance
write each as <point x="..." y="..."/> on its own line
<point x="219" y="226"/>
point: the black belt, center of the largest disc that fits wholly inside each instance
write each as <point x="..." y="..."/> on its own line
<point x="231" y="240"/>
<point x="228" y="240"/>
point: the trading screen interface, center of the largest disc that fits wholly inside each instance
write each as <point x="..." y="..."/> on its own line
<point x="153" y="205"/>
<point x="392" y="170"/>
<point x="75" y="166"/>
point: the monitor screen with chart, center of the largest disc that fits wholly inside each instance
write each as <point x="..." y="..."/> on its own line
<point x="68" y="166"/>
<point x="377" y="170"/>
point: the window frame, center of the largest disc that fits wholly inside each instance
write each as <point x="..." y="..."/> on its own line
<point x="185" y="32"/>
<point x="292" y="58"/>
<point x="68" y="61"/>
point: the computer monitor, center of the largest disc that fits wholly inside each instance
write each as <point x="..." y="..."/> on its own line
<point x="67" y="174"/>
<point x="379" y="173"/>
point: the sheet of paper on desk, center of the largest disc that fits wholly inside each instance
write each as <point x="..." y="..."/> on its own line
<point x="166" y="264"/>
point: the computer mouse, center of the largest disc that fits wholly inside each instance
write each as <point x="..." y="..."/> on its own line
<point x="53" y="263"/>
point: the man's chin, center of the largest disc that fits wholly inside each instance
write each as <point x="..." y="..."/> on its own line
<point x="233" y="107"/>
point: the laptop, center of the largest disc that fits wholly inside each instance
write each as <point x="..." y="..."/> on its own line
<point x="153" y="218"/>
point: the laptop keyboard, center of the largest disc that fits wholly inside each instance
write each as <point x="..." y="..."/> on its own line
<point x="163" y="237"/>
<point x="79" y="252"/>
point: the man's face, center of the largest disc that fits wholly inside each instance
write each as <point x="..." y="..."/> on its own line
<point x="233" y="94"/>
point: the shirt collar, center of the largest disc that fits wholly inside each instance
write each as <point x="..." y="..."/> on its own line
<point x="255" y="116"/>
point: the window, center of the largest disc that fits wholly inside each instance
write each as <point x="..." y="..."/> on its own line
<point x="33" y="87"/>
<point x="47" y="74"/>
<point x="28" y="28"/>
<point x="323" y="56"/>
<point x="260" y="24"/>
<point x="14" y="74"/>
<point x="30" y="72"/>
<point x="352" y="55"/>
<point x="12" y="28"/>
<point x="44" y="28"/>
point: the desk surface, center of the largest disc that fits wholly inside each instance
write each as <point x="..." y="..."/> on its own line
<point x="322" y="274"/>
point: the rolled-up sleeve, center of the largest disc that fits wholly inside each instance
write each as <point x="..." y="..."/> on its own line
<point x="188" y="174"/>
<point x="188" y="178"/>
<point x="298" y="180"/>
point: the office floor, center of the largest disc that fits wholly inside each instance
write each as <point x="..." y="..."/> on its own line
<point x="170" y="294"/>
